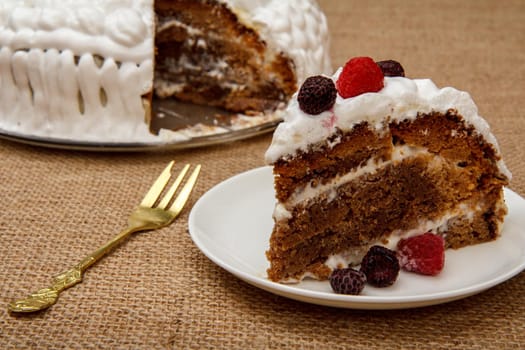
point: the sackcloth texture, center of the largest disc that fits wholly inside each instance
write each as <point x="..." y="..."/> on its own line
<point x="158" y="291"/>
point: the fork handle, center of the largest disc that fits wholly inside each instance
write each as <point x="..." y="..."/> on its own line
<point x="73" y="276"/>
<point x="95" y="256"/>
<point x="46" y="297"/>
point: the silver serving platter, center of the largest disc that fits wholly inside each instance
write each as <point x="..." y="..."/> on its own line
<point x="207" y="126"/>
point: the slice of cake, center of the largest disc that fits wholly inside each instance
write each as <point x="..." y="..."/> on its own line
<point x="368" y="157"/>
<point x="90" y="70"/>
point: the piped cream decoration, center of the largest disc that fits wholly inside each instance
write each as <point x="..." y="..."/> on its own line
<point x="78" y="69"/>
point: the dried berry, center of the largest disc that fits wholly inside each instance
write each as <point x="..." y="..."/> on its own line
<point x="317" y="94"/>
<point x="347" y="281"/>
<point x="423" y="254"/>
<point x="391" y="68"/>
<point x="359" y="75"/>
<point x="380" y="265"/>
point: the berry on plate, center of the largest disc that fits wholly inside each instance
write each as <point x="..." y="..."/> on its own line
<point x="380" y="265"/>
<point x="423" y="254"/>
<point x="347" y="281"/>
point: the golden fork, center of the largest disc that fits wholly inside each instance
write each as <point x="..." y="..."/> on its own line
<point x="147" y="216"/>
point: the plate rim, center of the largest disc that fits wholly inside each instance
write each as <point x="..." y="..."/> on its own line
<point x="338" y="300"/>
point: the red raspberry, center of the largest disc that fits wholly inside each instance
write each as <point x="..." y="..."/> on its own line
<point x="347" y="281"/>
<point x="423" y="254"/>
<point x="359" y="75"/>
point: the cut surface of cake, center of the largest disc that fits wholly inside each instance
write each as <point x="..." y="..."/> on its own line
<point x="395" y="159"/>
<point x="91" y="70"/>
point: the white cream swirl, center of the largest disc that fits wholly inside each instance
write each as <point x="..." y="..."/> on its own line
<point x="87" y="20"/>
<point x="119" y="29"/>
<point x="126" y="27"/>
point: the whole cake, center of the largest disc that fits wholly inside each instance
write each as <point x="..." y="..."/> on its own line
<point x="89" y="70"/>
<point x="369" y="157"/>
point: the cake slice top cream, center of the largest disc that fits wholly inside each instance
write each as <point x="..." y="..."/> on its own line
<point x="400" y="99"/>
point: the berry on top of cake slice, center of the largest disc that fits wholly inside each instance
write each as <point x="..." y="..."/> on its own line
<point x="371" y="157"/>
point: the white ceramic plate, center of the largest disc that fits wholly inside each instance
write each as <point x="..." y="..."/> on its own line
<point x="232" y="222"/>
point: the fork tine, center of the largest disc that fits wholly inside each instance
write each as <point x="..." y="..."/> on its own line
<point x="167" y="197"/>
<point x="184" y="194"/>
<point x="157" y="187"/>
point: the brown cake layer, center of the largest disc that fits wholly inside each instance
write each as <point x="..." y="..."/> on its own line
<point x="215" y="60"/>
<point x="356" y="147"/>
<point x="444" y="134"/>
<point x="458" y="168"/>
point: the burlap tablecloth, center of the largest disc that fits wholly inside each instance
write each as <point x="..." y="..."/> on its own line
<point x="159" y="291"/>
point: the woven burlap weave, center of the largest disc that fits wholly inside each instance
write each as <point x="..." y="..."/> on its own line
<point x="159" y="291"/>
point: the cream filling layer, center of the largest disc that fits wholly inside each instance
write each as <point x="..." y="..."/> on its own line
<point x="390" y="241"/>
<point x="354" y="256"/>
<point x="329" y="190"/>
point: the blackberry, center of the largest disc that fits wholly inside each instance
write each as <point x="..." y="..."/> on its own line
<point x="317" y="94"/>
<point x="347" y="281"/>
<point x="391" y="68"/>
<point x="380" y="265"/>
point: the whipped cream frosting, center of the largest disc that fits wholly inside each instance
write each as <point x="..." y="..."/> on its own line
<point x="329" y="188"/>
<point x="400" y="99"/>
<point x="77" y="69"/>
<point x="297" y="27"/>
